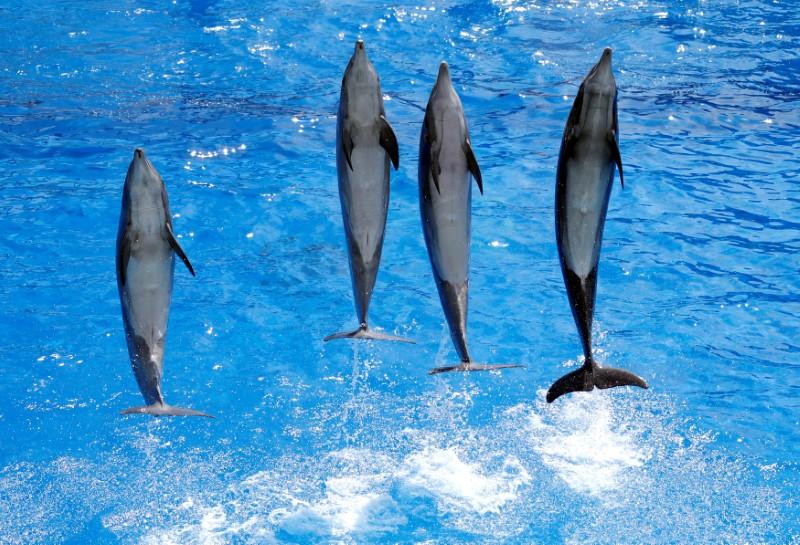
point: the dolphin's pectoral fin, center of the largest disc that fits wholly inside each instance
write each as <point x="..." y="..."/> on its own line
<point x="572" y="136"/>
<point x="122" y="260"/>
<point x="173" y="242"/>
<point x="612" y="141"/>
<point x="472" y="164"/>
<point x="429" y="125"/>
<point x="389" y="142"/>
<point x="429" y="134"/>
<point x="572" y="129"/>
<point x="436" y="169"/>
<point x="347" y="144"/>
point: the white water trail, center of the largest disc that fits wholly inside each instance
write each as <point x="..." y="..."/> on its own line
<point x="442" y="351"/>
<point x="353" y="384"/>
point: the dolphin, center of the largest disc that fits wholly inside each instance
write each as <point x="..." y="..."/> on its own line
<point x="365" y="143"/>
<point x="446" y="161"/>
<point x="589" y="154"/>
<point x="146" y="246"/>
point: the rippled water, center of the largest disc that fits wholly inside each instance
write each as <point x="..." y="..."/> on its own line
<point x="353" y="443"/>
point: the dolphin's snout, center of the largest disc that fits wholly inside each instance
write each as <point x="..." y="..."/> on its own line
<point x="444" y="72"/>
<point x="604" y="64"/>
<point x="359" y="53"/>
<point x="138" y="153"/>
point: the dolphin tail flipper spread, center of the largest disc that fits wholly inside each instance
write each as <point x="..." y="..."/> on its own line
<point x="157" y="409"/>
<point x="366" y="333"/>
<point x="589" y="377"/>
<point x="468" y="367"/>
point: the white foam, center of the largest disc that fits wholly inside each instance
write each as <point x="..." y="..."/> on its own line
<point x="213" y="528"/>
<point x="356" y="498"/>
<point x="584" y="446"/>
<point x="501" y="481"/>
<point x="440" y="473"/>
<point x="350" y="506"/>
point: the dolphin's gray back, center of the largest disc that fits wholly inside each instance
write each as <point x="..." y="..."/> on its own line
<point x="588" y="187"/>
<point x="364" y="188"/>
<point x="364" y="193"/>
<point x="145" y="267"/>
<point x="447" y="212"/>
<point x="586" y="174"/>
<point x="589" y="154"/>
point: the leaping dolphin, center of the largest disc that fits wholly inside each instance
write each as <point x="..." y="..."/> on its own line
<point x="365" y="143"/>
<point x="586" y="162"/>
<point x="446" y="161"/>
<point x="146" y="246"/>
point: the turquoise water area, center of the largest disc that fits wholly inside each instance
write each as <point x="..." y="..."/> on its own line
<point x="347" y="442"/>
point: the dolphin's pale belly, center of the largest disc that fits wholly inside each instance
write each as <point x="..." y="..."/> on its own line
<point x="367" y="189"/>
<point x="586" y="188"/>
<point x="450" y="213"/>
<point x="148" y="290"/>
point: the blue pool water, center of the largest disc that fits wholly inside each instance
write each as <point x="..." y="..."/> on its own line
<point x="353" y="443"/>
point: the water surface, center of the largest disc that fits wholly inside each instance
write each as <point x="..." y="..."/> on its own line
<point x="353" y="443"/>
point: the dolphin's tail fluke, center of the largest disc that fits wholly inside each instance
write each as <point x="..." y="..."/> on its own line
<point x="469" y="366"/>
<point x="158" y="409"/>
<point x="366" y="333"/>
<point x="590" y="376"/>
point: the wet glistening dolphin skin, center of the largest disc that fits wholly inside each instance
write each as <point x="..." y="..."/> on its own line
<point x="146" y="246"/>
<point x="588" y="156"/>
<point x="446" y="161"/>
<point x="365" y="143"/>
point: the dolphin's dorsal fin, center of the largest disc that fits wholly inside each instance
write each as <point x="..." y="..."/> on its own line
<point x="389" y="142"/>
<point x="173" y="242"/>
<point x="612" y="142"/>
<point x="347" y="142"/>
<point x="472" y="164"/>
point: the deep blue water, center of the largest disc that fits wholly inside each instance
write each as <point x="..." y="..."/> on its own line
<point x="347" y="442"/>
